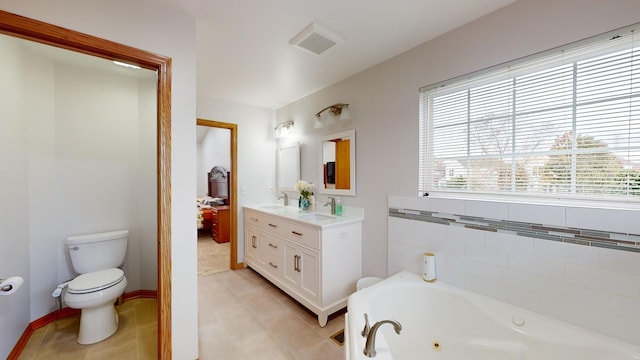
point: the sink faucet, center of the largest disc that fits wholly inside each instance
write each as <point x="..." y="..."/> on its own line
<point x="285" y="197"/>
<point x="332" y="203"/>
<point x="370" y="346"/>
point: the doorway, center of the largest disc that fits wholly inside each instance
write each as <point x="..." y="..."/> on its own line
<point x="233" y="186"/>
<point x="41" y="32"/>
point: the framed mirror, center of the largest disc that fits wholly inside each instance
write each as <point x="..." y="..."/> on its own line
<point x="288" y="166"/>
<point x="338" y="164"/>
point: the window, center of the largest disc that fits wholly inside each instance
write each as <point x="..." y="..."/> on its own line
<point x="564" y="123"/>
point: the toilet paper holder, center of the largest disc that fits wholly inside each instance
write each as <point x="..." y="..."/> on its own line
<point x="7" y="287"/>
<point x="10" y="285"/>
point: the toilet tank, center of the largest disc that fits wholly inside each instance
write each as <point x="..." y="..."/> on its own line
<point x="100" y="251"/>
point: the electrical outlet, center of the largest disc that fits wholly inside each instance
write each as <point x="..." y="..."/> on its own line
<point x="343" y="235"/>
<point x="243" y="190"/>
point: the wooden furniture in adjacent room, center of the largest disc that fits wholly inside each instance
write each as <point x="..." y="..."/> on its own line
<point x="218" y="183"/>
<point x="220" y="223"/>
<point x="207" y="218"/>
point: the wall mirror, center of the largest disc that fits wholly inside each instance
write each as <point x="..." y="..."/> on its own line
<point x="338" y="164"/>
<point x="288" y="166"/>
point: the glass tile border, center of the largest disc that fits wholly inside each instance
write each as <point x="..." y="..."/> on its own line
<point x="586" y="237"/>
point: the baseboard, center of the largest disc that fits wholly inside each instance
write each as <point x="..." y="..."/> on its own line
<point x="63" y="313"/>
<point x="140" y="294"/>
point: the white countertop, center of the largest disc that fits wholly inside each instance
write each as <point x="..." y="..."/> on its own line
<point x="315" y="218"/>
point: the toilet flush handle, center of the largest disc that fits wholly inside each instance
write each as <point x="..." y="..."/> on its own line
<point x="74" y="248"/>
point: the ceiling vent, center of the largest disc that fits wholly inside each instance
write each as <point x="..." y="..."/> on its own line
<point x="315" y="39"/>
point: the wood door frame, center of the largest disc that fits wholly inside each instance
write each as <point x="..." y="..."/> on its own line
<point x="233" y="204"/>
<point x="41" y="32"/>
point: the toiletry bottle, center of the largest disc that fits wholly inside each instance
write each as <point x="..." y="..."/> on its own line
<point x="338" y="207"/>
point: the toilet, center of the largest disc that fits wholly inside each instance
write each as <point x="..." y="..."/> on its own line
<point x="96" y="257"/>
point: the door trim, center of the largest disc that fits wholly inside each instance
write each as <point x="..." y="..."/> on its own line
<point x="233" y="206"/>
<point x="41" y="32"/>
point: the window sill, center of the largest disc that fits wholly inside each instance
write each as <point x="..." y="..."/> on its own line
<point x="536" y="200"/>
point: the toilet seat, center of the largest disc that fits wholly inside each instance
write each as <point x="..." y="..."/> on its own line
<point x="95" y="281"/>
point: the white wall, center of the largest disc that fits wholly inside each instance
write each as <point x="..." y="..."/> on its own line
<point x="162" y="29"/>
<point x="384" y="99"/>
<point x="14" y="217"/>
<point x="145" y="196"/>
<point x="256" y="152"/>
<point x="213" y="151"/>
<point x="97" y="161"/>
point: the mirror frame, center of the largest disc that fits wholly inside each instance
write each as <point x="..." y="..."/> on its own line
<point x="280" y="165"/>
<point x="351" y="134"/>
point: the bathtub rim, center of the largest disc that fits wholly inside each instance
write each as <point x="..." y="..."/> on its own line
<point x="356" y="305"/>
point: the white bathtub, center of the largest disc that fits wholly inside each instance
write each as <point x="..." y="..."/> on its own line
<point x="445" y="323"/>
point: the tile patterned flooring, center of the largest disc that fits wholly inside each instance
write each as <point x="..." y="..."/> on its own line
<point x="135" y="338"/>
<point x="241" y="316"/>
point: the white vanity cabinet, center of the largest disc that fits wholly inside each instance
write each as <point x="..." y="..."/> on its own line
<point x="316" y="262"/>
<point x="302" y="270"/>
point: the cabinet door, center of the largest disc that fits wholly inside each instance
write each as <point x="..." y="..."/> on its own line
<point x="291" y="261"/>
<point x="309" y="265"/>
<point x="302" y="270"/>
<point x="251" y="243"/>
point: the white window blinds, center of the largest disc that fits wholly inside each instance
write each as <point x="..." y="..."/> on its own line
<point x="565" y="123"/>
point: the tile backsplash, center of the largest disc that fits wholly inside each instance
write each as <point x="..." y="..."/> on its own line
<point x="598" y="238"/>
<point x="579" y="265"/>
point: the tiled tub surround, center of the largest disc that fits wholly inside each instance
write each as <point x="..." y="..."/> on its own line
<point x="611" y="240"/>
<point x="565" y="268"/>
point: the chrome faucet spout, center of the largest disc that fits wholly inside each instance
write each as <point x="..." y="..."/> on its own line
<point x="370" y="346"/>
<point x="331" y="203"/>
<point x="285" y="197"/>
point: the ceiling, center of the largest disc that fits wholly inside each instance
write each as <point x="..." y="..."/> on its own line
<point x="243" y="53"/>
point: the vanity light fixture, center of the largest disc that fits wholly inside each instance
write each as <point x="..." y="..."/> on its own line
<point x="330" y="113"/>
<point x="283" y="128"/>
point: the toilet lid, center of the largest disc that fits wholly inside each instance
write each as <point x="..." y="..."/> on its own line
<point x="95" y="281"/>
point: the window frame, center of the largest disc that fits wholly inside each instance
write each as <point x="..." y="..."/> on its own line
<point x="571" y="53"/>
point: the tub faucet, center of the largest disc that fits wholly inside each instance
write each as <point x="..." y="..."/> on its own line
<point x="331" y="203"/>
<point x="285" y="197"/>
<point x="370" y="346"/>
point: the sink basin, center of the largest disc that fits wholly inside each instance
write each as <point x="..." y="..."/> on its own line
<point x="316" y="217"/>
<point x="272" y="207"/>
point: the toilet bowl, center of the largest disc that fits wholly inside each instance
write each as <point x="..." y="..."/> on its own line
<point x="95" y="294"/>
<point x="96" y="257"/>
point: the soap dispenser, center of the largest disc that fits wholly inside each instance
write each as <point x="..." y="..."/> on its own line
<point x="338" y="207"/>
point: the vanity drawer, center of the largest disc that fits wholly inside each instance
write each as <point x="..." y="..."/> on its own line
<point x="271" y="254"/>
<point x="268" y="223"/>
<point x="302" y="235"/>
<point x="253" y="218"/>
